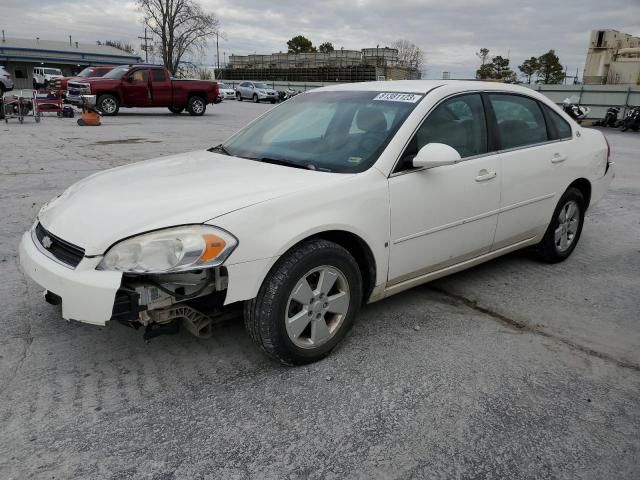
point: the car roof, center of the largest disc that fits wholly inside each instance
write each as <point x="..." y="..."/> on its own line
<point x="424" y="86"/>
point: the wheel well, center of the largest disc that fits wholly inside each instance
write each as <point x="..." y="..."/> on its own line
<point x="197" y="94"/>
<point x="584" y="186"/>
<point x="360" y="251"/>
<point x="115" y="94"/>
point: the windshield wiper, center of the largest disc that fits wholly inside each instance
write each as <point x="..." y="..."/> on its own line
<point x="286" y="163"/>
<point x="219" y="148"/>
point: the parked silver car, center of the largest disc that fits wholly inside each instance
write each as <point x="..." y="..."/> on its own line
<point x="256" y="91"/>
<point x="6" y="82"/>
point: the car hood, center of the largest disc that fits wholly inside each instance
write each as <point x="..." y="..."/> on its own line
<point x="177" y="190"/>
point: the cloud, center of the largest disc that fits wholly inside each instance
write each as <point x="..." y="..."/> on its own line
<point x="449" y="31"/>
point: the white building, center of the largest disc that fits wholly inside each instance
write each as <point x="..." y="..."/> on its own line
<point x="613" y="58"/>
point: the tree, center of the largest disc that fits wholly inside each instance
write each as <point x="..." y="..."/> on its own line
<point x="181" y="26"/>
<point x="300" y="44"/>
<point x="549" y="68"/>
<point x="483" y="54"/>
<point x="409" y="54"/>
<point x="326" y="47"/>
<point x="497" y="69"/>
<point x="125" y="47"/>
<point x="529" y="68"/>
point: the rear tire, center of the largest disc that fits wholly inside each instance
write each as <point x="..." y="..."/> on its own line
<point x="108" y="104"/>
<point x="565" y="228"/>
<point x="196" y="106"/>
<point x="306" y="304"/>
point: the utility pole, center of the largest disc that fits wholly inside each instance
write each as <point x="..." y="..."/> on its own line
<point x="217" y="52"/>
<point x="146" y="45"/>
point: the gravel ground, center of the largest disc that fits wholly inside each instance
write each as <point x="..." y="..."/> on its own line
<point x="513" y="369"/>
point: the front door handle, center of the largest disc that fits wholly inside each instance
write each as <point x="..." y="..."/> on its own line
<point x="484" y="175"/>
<point x="558" y="158"/>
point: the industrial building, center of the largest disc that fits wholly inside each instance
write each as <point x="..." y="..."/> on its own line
<point x="20" y="55"/>
<point x="613" y="58"/>
<point x="337" y="66"/>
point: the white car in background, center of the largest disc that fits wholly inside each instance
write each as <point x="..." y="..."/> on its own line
<point x="256" y="91"/>
<point x="226" y="91"/>
<point x="338" y="197"/>
<point x="43" y="76"/>
<point x="6" y="82"/>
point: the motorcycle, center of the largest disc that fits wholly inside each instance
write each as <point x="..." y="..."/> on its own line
<point x="577" y="112"/>
<point x="286" y="94"/>
<point x="610" y="118"/>
<point x="631" y="120"/>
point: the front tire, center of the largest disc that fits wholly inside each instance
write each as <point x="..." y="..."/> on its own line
<point x="196" y="106"/>
<point x="255" y="98"/>
<point x="238" y="97"/>
<point x="108" y="104"/>
<point x="565" y="228"/>
<point x="306" y="304"/>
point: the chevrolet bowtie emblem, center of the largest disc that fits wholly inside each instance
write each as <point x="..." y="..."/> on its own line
<point x="46" y="242"/>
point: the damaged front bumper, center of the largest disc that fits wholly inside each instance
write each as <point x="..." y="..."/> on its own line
<point x="87" y="295"/>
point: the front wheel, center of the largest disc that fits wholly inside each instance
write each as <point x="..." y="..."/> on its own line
<point x="239" y="97"/>
<point x="108" y="104"/>
<point x="306" y="304"/>
<point x="255" y="98"/>
<point x="565" y="228"/>
<point x="196" y="106"/>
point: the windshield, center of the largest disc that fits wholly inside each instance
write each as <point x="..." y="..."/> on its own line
<point x="87" y="72"/>
<point x="331" y="131"/>
<point x="261" y="85"/>
<point x="117" y="72"/>
<point x="52" y="71"/>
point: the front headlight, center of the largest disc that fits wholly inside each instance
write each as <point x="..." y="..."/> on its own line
<point x="174" y="249"/>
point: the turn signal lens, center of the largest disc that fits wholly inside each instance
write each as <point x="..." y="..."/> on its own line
<point x="213" y="246"/>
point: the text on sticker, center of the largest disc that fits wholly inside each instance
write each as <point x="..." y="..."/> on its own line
<point x="398" y="97"/>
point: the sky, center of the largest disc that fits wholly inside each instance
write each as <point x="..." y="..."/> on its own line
<point x="449" y="31"/>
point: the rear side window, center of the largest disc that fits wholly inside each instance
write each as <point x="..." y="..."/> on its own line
<point x="458" y="122"/>
<point x="157" y="75"/>
<point x="560" y="125"/>
<point x="520" y="120"/>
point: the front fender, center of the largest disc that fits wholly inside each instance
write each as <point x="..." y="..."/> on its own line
<point x="358" y="204"/>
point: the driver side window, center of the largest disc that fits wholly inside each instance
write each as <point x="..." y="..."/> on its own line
<point x="458" y="122"/>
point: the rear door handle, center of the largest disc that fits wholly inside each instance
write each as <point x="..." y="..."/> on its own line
<point x="484" y="175"/>
<point x="558" y="158"/>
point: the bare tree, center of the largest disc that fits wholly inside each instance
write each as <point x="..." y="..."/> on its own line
<point x="120" y="45"/>
<point x="409" y="54"/>
<point x="181" y="26"/>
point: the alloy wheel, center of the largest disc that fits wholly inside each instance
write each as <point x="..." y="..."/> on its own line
<point x="568" y="222"/>
<point x="317" y="307"/>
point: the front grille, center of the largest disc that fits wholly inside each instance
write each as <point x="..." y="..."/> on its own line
<point x="62" y="251"/>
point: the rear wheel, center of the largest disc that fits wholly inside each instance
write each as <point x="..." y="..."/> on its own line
<point x="306" y="304"/>
<point x="565" y="228"/>
<point x="108" y="104"/>
<point x="196" y="106"/>
<point x="176" y="110"/>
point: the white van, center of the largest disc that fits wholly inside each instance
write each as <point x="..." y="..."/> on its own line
<point x="42" y="76"/>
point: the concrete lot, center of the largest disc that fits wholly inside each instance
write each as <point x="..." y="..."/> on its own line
<point x="513" y="369"/>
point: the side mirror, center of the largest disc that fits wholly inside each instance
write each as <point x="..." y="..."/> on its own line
<point x="436" y="155"/>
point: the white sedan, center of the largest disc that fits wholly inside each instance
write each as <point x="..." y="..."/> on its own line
<point x="341" y="196"/>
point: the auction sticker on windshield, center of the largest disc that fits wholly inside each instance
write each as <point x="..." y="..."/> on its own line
<point x="398" y="97"/>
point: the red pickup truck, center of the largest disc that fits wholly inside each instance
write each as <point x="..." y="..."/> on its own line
<point x="89" y="72"/>
<point x="145" y="86"/>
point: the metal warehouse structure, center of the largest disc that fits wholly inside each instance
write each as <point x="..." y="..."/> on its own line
<point x="20" y="55"/>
